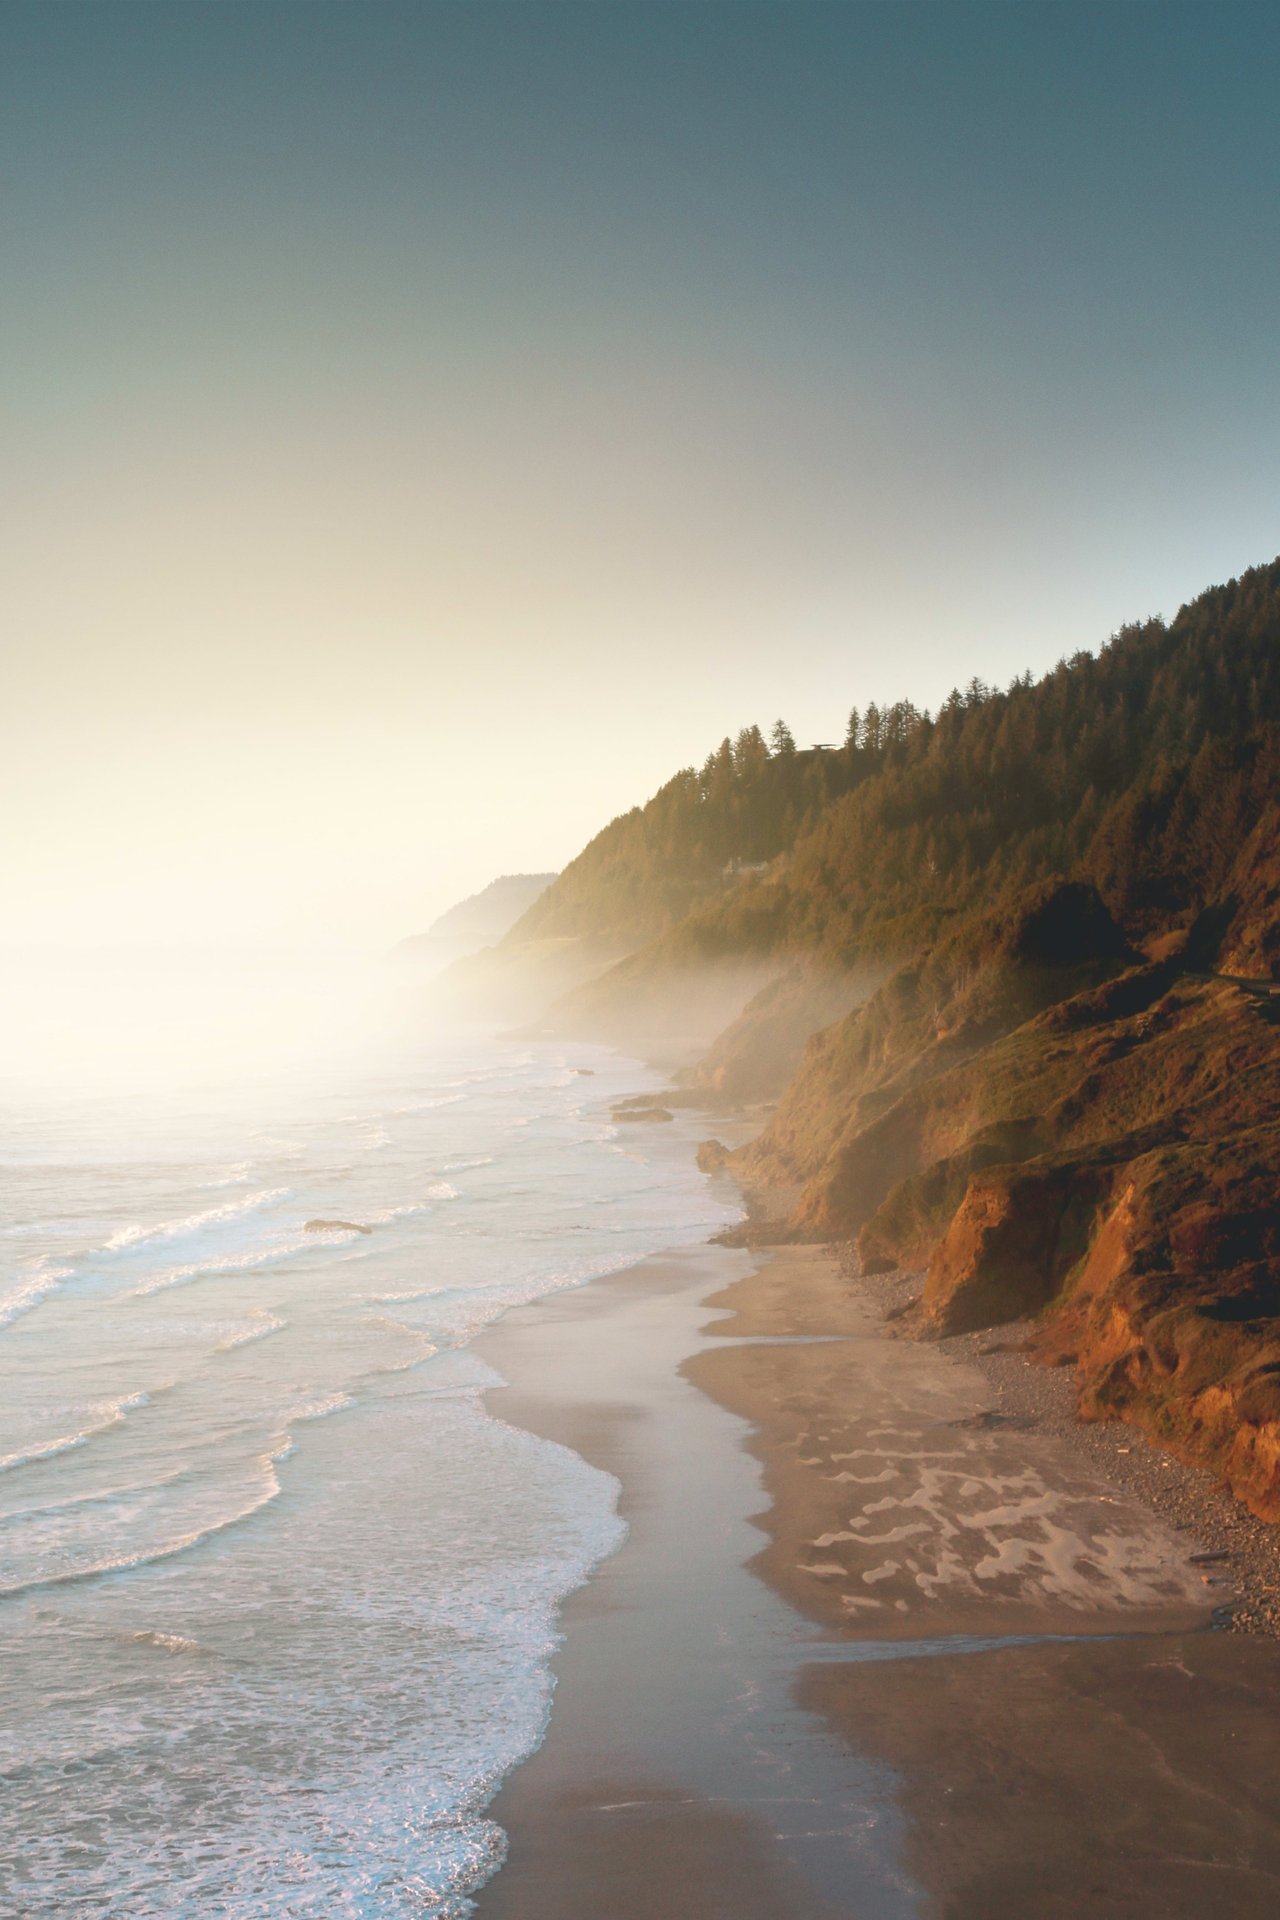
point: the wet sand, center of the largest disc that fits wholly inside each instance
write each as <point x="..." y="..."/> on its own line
<point x="1130" y="1779"/>
<point x="861" y="1716"/>
<point x="903" y="1506"/>
<point x="679" y="1774"/>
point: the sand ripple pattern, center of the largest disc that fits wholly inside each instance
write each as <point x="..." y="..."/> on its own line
<point x="919" y="1513"/>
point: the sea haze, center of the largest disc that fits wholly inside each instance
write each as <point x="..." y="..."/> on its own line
<point x="278" y="1595"/>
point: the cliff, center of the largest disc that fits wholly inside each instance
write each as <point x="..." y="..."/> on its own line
<point x="976" y="959"/>
<point x="1091" y="1144"/>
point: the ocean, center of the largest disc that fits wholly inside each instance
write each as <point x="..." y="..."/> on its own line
<point x="278" y="1595"/>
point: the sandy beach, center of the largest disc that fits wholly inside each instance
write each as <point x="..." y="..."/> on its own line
<point x="679" y="1773"/>
<point x="871" y="1648"/>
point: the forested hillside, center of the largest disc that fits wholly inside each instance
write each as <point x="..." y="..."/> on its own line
<point x="1139" y="764"/>
<point x="983" y="944"/>
<point x="691" y="843"/>
<point x="1141" y="767"/>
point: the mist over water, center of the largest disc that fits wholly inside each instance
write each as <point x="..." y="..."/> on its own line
<point x="276" y="1594"/>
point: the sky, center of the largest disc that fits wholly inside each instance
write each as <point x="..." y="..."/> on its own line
<point x="425" y="427"/>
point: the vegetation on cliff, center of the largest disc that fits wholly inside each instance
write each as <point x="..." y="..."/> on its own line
<point x="972" y="952"/>
<point x="692" y="843"/>
<point x="1142" y="768"/>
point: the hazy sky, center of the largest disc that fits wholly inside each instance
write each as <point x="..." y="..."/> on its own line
<point x="427" y="426"/>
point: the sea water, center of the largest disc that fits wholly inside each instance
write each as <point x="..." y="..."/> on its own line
<point x="278" y="1595"/>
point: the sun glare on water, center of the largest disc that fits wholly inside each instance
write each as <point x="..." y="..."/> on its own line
<point x="150" y="1021"/>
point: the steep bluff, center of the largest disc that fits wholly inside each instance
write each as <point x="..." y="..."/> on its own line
<point x="971" y="956"/>
<point x="1106" y="1162"/>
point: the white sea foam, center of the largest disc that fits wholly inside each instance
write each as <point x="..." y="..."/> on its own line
<point x="405" y="1295"/>
<point x="393" y="1614"/>
<point x="386" y="1215"/>
<point x="321" y="1408"/>
<point x="420" y="1349"/>
<point x="101" y="1418"/>
<point x="387" y="1324"/>
<point x="249" y="1502"/>
<point x="41" y="1279"/>
<point x="257" y="1329"/>
<point x="136" y="1234"/>
<point x="284" y="1444"/>
<point x="234" y="1176"/>
<point x="261" y="1256"/>
<point x="150" y="1555"/>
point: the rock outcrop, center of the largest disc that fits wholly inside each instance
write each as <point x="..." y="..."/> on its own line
<point x="1103" y="1161"/>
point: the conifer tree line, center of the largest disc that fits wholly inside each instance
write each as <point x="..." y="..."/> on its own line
<point x="1140" y="767"/>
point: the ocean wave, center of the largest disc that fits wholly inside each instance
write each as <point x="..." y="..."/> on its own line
<point x="470" y="1629"/>
<point x="40" y="1281"/>
<point x="167" y="1642"/>
<point x="107" y="1414"/>
<point x="230" y="1263"/>
<point x="401" y="1299"/>
<point x="165" y="1550"/>
<point x="137" y="1235"/>
<point x="269" y="1487"/>
<point x="96" y="1496"/>
<point x="321" y="1409"/>
<point x="285" y="1445"/>
<point x="234" y="1176"/>
<point x="263" y="1324"/>
<point x="404" y="1212"/>
<point x="387" y="1324"/>
<point x="274" y="1143"/>
<point x="424" y="1349"/>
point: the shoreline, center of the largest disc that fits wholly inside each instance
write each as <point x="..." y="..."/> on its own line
<point x="900" y="1510"/>
<point x="628" y="1808"/>
<point x="678" y="1773"/>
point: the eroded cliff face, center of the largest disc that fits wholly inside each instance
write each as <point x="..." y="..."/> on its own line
<point x="906" y="1079"/>
<point x="1094" y="1144"/>
<point x="970" y="956"/>
<point x="1172" y="1316"/>
<point x="759" y="1053"/>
